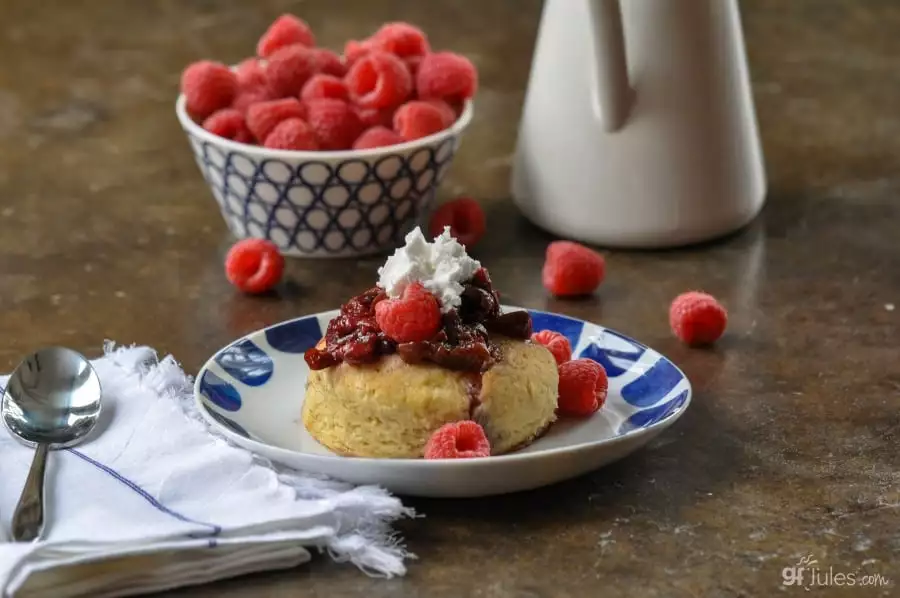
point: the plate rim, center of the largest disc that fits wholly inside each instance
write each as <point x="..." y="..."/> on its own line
<point x="259" y="447"/>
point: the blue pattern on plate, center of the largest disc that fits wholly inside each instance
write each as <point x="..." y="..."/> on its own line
<point x="295" y="336"/>
<point x="648" y="417"/>
<point x="231" y="425"/>
<point x="220" y="393"/>
<point x="603" y="355"/>
<point x="568" y="327"/>
<point x="653" y="384"/>
<point x="246" y="362"/>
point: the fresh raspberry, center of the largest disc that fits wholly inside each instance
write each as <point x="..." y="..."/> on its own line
<point x="571" y="269"/>
<point x="248" y="97"/>
<point x="286" y="30"/>
<point x="379" y="80"/>
<point x="582" y="387"/>
<point x="324" y="86"/>
<point x="207" y="86"/>
<point x="416" y="119"/>
<point x="354" y="50"/>
<point x="254" y="265"/>
<point x="464" y="217"/>
<point x="250" y="74"/>
<point x="329" y="63"/>
<point x="697" y="318"/>
<point x="372" y="117"/>
<point x="289" y="68"/>
<point x="376" y="136"/>
<point x="401" y="39"/>
<point x="292" y="134"/>
<point x="448" y="114"/>
<point x="557" y="343"/>
<point x="414" y="316"/>
<point x="230" y="124"/>
<point x="458" y="440"/>
<point x="334" y="122"/>
<point x="262" y="117"/>
<point x="447" y="76"/>
<point x="412" y="64"/>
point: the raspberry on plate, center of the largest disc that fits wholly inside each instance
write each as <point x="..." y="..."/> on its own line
<point x="329" y="63"/>
<point x="289" y="68"/>
<point x="401" y="39"/>
<point x="324" y="86"/>
<point x="447" y="76"/>
<point x="583" y="385"/>
<point x="697" y="318"/>
<point x="230" y="124"/>
<point x="465" y="218"/>
<point x="207" y="86"/>
<point x="286" y="30"/>
<point x="379" y="80"/>
<point x="376" y="136"/>
<point x="334" y="122"/>
<point x="557" y="343"/>
<point x="416" y="119"/>
<point x="458" y="440"/>
<point x="262" y="117"/>
<point x="254" y="265"/>
<point x="571" y="269"/>
<point x="292" y="134"/>
<point x="415" y="316"/>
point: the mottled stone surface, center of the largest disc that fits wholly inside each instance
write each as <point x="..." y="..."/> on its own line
<point x="790" y="447"/>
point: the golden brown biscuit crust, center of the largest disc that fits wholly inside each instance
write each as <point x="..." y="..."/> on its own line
<point x="390" y="408"/>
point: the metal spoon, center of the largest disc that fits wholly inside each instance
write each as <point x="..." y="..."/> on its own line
<point x="52" y="398"/>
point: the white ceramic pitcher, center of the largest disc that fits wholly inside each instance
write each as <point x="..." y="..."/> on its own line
<point x="638" y="128"/>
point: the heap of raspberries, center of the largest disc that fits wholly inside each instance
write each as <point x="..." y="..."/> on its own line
<point x="387" y="89"/>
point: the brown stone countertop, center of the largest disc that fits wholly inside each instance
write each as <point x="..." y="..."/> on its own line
<point x="791" y="444"/>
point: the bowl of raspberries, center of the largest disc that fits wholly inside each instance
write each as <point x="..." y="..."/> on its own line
<point x="328" y="154"/>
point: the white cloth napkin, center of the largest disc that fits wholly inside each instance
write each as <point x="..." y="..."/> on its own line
<point x="156" y="501"/>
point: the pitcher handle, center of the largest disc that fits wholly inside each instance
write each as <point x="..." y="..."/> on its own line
<point x="612" y="93"/>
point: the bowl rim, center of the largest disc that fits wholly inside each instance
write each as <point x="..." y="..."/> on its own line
<point x="306" y="155"/>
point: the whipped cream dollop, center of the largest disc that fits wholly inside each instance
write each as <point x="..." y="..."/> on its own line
<point x="441" y="266"/>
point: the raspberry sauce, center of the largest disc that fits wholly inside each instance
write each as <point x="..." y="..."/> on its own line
<point x="462" y="343"/>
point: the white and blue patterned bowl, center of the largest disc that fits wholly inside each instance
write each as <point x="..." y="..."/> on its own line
<point x="252" y="392"/>
<point x="324" y="204"/>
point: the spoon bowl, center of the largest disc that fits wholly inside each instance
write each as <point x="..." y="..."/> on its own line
<point x="52" y="399"/>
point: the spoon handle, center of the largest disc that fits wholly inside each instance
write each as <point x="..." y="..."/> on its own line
<point x="28" y="519"/>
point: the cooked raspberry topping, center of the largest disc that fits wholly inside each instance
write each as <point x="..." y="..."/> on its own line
<point x="462" y="341"/>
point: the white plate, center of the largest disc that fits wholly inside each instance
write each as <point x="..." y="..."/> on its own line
<point x="253" y="389"/>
